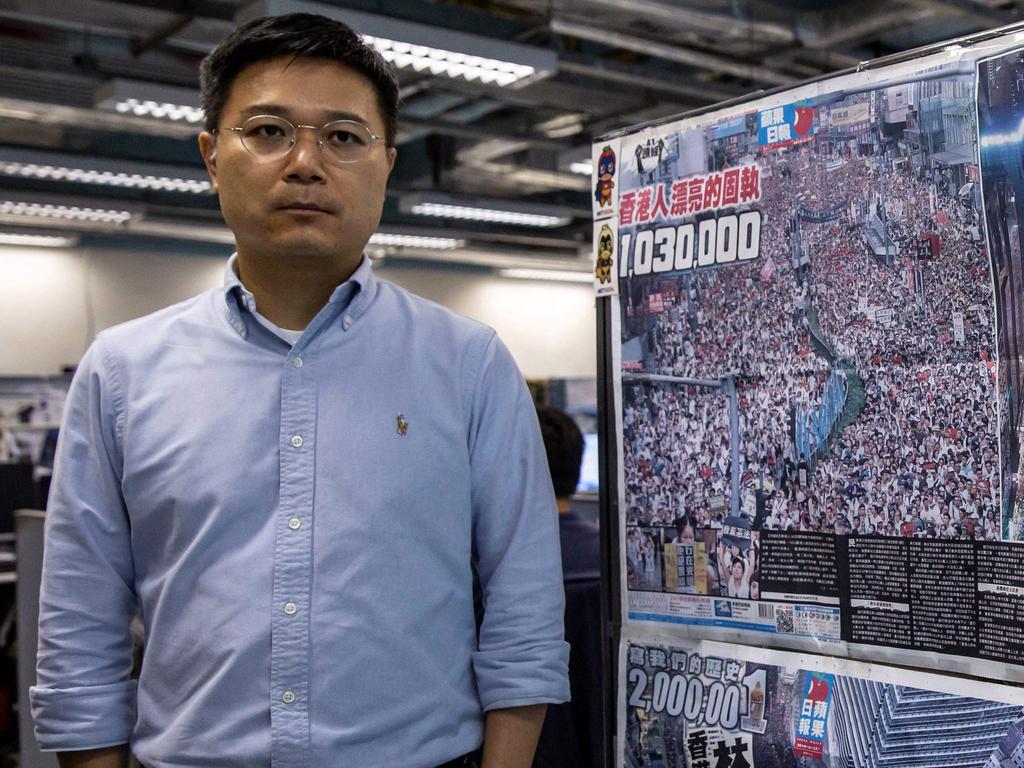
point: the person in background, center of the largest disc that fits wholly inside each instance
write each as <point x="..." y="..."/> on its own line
<point x="238" y="467"/>
<point x="572" y="733"/>
<point x="563" y="443"/>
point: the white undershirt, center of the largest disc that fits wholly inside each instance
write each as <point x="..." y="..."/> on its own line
<point x="290" y="337"/>
<point x="283" y="333"/>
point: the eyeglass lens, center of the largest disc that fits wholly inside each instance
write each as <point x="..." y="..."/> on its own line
<point x="343" y="141"/>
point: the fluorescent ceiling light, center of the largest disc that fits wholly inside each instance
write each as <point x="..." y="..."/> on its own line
<point x="428" y="49"/>
<point x="446" y="211"/>
<point x="436" y="61"/>
<point x="415" y="241"/>
<point x="492" y="211"/>
<point x="161" y="102"/>
<point x="180" y="229"/>
<point x="104" y="178"/>
<point x="500" y="258"/>
<point x="555" y="275"/>
<point x="55" y="166"/>
<point x="582" y="167"/>
<point x="162" y="110"/>
<point x="37" y="241"/>
<point x="562" y="126"/>
<point x="66" y="212"/>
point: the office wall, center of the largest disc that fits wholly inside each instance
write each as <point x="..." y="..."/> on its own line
<point x="549" y="327"/>
<point x="53" y="301"/>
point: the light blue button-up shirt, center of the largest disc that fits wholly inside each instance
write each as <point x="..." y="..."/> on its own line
<point x="297" y="526"/>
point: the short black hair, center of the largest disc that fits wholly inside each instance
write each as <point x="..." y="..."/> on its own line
<point x="295" y="35"/>
<point x="563" y="443"/>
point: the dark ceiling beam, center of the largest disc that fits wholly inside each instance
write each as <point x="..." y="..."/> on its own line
<point x="787" y="61"/>
<point x="223" y="10"/>
<point x="823" y="60"/>
<point x="158" y="36"/>
<point x="113" y="59"/>
<point x="481" y="133"/>
<point x="679" y="54"/>
<point x="35" y="113"/>
<point x="677" y="17"/>
<point x="850" y="25"/>
<point x="669" y="83"/>
<point x="979" y="14"/>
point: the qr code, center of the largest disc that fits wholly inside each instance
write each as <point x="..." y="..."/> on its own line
<point x="783" y="620"/>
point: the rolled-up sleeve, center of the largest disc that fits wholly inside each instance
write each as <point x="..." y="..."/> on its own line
<point x="84" y="697"/>
<point x="522" y="657"/>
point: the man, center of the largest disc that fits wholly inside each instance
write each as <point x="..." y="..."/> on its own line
<point x="295" y="476"/>
<point x="580" y="540"/>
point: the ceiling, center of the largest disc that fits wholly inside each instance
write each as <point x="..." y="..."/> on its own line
<point x="617" y="63"/>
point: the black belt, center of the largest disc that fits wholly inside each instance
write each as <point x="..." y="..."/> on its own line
<point x="468" y="760"/>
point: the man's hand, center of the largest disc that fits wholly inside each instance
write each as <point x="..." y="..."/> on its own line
<point x="107" y="757"/>
<point x="510" y="736"/>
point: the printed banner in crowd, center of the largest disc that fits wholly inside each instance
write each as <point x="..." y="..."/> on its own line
<point x="688" y="704"/>
<point x="819" y="390"/>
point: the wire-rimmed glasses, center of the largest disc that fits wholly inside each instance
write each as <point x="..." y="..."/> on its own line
<point x="269" y="137"/>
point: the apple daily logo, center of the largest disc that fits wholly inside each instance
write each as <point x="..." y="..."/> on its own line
<point x="653" y="149"/>
<point x="788" y="124"/>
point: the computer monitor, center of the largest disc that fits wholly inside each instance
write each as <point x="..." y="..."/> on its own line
<point x="588" y="469"/>
<point x="48" y="450"/>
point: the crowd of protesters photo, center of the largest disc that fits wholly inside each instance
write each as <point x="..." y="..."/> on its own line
<point x="903" y="347"/>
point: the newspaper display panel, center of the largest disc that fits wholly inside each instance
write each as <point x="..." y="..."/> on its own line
<point x="818" y="388"/>
<point x="700" y="704"/>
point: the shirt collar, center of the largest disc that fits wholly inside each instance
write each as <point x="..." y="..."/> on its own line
<point x="351" y="297"/>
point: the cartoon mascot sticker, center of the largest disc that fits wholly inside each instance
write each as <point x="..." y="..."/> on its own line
<point x="605" y="254"/>
<point x="605" y="176"/>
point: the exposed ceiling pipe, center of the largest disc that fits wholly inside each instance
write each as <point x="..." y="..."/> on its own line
<point x="485" y="151"/>
<point x="467" y="131"/>
<point x="568" y="261"/>
<point x="821" y="60"/>
<point x="728" y="27"/>
<point x="533" y="177"/>
<point x="77" y="117"/>
<point x="601" y="70"/>
<point x="979" y="13"/>
<point x="482" y="156"/>
<point x="854" y="27"/>
<point x="688" y="56"/>
<point x="159" y="36"/>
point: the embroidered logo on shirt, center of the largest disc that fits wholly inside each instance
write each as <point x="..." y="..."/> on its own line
<point x="403" y="425"/>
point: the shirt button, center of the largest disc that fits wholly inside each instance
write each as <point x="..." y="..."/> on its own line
<point x="294" y="523"/>
<point x="290" y="608"/>
<point x="297" y="441"/>
<point x="288" y="697"/>
<point x="347" y="321"/>
<point x="297" y="362"/>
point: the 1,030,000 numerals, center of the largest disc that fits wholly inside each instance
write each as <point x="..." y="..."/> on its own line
<point x="713" y="241"/>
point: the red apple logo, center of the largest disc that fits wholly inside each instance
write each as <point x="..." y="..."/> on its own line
<point x="804" y="121"/>
<point x="819" y="689"/>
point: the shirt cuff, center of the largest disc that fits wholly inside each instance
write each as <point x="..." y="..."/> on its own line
<point x="523" y="676"/>
<point x="88" y="717"/>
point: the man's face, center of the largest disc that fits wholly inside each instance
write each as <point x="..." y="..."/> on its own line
<point x="302" y="204"/>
